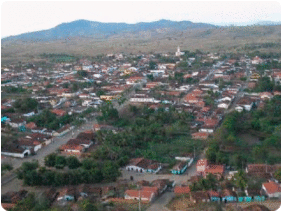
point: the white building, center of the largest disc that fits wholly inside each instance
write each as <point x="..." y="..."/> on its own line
<point x="178" y="53"/>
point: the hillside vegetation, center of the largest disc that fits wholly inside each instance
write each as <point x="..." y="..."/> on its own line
<point x="160" y="40"/>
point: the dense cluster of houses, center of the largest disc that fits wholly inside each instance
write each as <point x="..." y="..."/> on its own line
<point x="269" y="189"/>
<point x="215" y="90"/>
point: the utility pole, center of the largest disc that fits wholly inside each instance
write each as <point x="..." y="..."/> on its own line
<point x="139" y="200"/>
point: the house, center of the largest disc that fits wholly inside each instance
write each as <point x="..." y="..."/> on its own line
<point x="201" y="166"/>
<point x="58" y="112"/>
<point x="133" y="80"/>
<point x="228" y="195"/>
<point x="15" y="150"/>
<point x="216" y="170"/>
<point x="32" y="145"/>
<point x="161" y="184"/>
<point x="146" y="194"/>
<point x="262" y="170"/>
<point x="38" y="130"/>
<point x="72" y="149"/>
<point x="272" y="189"/>
<point x="43" y="139"/>
<point x="16" y="123"/>
<point x="255" y="194"/>
<point x="87" y="190"/>
<point x="63" y="130"/>
<point x="265" y="95"/>
<point x="179" y="168"/>
<point x="67" y="194"/>
<point x="107" y="97"/>
<point x="30" y="125"/>
<point x="200" y="135"/>
<point x="199" y="196"/>
<point x="214" y="196"/>
<point x="256" y="60"/>
<point x="224" y="104"/>
<point x="87" y="135"/>
<point x="245" y="102"/>
<point x="179" y="190"/>
<point x="83" y="142"/>
<point x="186" y="157"/>
<point x="143" y="165"/>
<point x="191" y="98"/>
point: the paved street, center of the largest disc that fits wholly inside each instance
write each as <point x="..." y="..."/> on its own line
<point x="160" y="203"/>
<point x="8" y="178"/>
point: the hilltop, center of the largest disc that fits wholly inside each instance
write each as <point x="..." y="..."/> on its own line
<point x="90" y="38"/>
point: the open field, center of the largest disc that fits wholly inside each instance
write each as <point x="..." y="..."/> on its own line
<point x="230" y="39"/>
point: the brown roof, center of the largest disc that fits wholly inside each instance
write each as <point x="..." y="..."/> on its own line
<point x="179" y="166"/>
<point x="199" y="195"/>
<point x="30" y="125"/>
<point x="214" y="169"/>
<point x="272" y="187"/>
<point x="143" y="163"/>
<point x="182" y="190"/>
<point x="63" y="128"/>
<point x="228" y="192"/>
<point x="78" y="141"/>
<point x="146" y="192"/>
<point x="262" y="168"/>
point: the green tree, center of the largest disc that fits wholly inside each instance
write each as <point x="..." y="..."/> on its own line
<point x="26" y="204"/>
<point x="240" y="179"/>
<point x="26" y="104"/>
<point x="277" y="174"/>
<point x="86" y="205"/>
<point x="89" y="163"/>
<point x="73" y="162"/>
<point x="50" y="160"/>
<point x="152" y="65"/>
<point x="60" y="162"/>
<point x="110" y="171"/>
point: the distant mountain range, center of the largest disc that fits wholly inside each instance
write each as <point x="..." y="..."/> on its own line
<point x="84" y="28"/>
<point x="90" y="38"/>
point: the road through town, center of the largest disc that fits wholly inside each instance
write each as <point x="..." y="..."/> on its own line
<point x="8" y="178"/>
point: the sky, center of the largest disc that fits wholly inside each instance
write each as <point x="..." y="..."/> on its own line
<point x="18" y="17"/>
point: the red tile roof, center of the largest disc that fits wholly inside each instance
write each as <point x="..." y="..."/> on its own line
<point x="58" y="112"/>
<point x="144" y="193"/>
<point x="272" y="187"/>
<point x="214" y="169"/>
<point x="182" y="190"/>
<point x="200" y="135"/>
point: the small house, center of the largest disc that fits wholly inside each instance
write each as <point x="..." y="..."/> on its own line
<point x="228" y="196"/>
<point x="179" y="168"/>
<point x="199" y="196"/>
<point x="272" y="189"/>
<point x="67" y="194"/>
<point x="179" y="190"/>
<point x="214" y="196"/>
